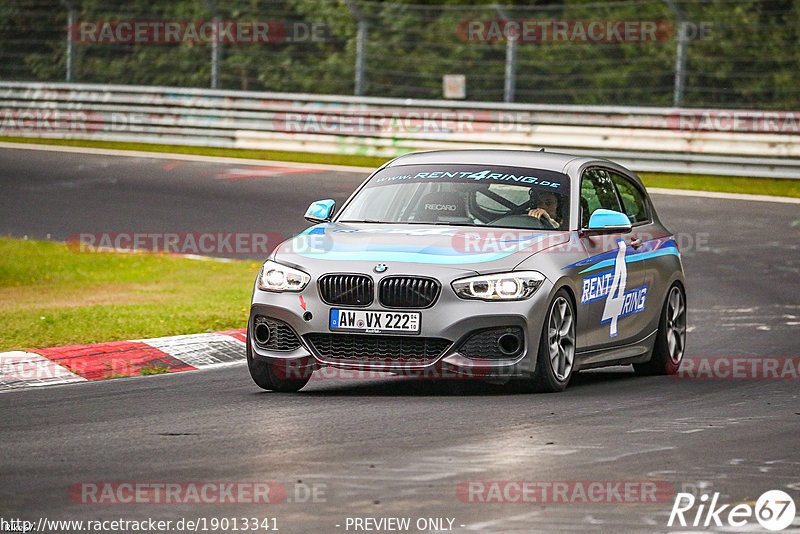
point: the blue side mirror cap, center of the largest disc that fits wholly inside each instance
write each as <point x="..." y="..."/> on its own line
<point x="320" y="211"/>
<point x="609" y="221"/>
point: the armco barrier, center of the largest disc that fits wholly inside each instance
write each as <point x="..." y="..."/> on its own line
<point x="740" y="143"/>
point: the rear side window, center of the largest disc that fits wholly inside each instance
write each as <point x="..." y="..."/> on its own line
<point x="633" y="202"/>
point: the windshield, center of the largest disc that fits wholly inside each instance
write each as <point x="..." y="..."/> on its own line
<point x="463" y="195"/>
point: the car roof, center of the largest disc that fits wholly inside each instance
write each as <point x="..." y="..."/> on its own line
<point x="551" y="161"/>
<point x="535" y="159"/>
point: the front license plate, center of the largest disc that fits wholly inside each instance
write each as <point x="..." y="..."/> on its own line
<point x="375" y="322"/>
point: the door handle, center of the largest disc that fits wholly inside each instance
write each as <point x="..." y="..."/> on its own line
<point x="636" y="242"/>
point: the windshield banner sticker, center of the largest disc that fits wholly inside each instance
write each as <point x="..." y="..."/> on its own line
<point x="472" y="173"/>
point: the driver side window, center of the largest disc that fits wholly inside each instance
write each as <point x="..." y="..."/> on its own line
<point x="597" y="191"/>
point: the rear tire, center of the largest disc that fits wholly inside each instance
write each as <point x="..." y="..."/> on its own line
<point x="263" y="374"/>
<point x="556" y="355"/>
<point x="671" y="337"/>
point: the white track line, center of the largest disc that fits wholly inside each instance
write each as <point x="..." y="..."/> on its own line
<point x="186" y="157"/>
<point x="345" y="168"/>
<point x="726" y="196"/>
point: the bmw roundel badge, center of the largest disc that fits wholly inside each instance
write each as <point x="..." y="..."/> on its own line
<point x="381" y="267"/>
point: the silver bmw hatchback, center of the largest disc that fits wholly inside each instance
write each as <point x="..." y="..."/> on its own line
<point x="491" y="264"/>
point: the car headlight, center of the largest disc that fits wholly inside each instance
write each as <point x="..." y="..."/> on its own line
<point x="277" y="277"/>
<point x="503" y="286"/>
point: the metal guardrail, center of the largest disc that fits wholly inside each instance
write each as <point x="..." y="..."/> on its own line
<point x="741" y="143"/>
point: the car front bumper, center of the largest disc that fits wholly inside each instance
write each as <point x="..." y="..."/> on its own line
<point x="452" y="322"/>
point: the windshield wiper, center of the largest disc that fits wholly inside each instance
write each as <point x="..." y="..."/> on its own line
<point x="438" y="223"/>
<point x="448" y="223"/>
<point x="445" y="223"/>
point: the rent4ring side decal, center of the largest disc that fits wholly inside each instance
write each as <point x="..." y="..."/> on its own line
<point x="611" y="285"/>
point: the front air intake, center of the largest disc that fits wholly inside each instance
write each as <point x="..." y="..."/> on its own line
<point x="364" y="348"/>
<point x="274" y="334"/>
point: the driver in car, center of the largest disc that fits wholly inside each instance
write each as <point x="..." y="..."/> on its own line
<point x="544" y="206"/>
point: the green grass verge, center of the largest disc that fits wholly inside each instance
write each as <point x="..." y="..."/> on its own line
<point x="782" y="187"/>
<point x="728" y="184"/>
<point x="52" y="296"/>
<point x="276" y="155"/>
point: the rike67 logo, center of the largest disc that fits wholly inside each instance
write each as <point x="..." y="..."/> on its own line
<point x="774" y="510"/>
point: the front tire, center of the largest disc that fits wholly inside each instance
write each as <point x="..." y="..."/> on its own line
<point x="263" y="374"/>
<point x="671" y="337"/>
<point x="556" y="356"/>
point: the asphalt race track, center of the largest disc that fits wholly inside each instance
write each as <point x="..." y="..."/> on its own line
<point x="404" y="447"/>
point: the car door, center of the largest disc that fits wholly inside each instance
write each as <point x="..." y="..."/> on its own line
<point x="646" y="236"/>
<point x="613" y="284"/>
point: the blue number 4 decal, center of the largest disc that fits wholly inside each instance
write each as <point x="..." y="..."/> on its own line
<point x="616" y="294"/>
